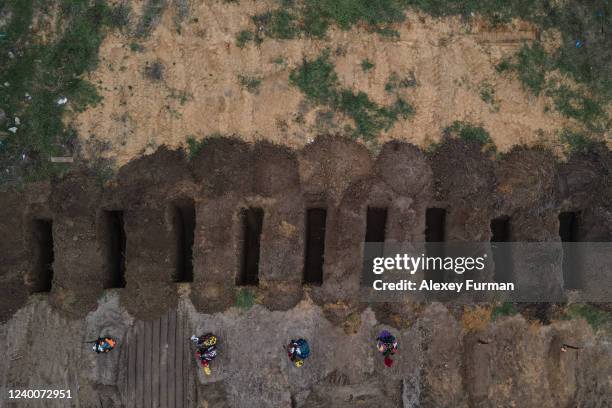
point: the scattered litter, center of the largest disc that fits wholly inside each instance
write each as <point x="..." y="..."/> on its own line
<point x="62" y="100"/>
<point x="62" y="159"/>
<point x="28" y="96"/>
<point x="13" y="129"/>
<point x="579" y="43"/>
<point x="11" y="55"/>
<point x="23" y="156"/>
<point x="17" y="121"/>
<point x="6" y="84"/>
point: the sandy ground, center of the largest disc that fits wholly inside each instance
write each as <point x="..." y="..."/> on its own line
<point x="440" y="360"/>
<point x="199" y="93"/>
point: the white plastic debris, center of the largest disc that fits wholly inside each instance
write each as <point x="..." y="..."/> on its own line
<point x="17" y="121"/>
<point x="28" y="96"/>
<point x="13" y="129"/>
<point x="23" y="156"/>
<point x="7" y="84"/>
<point x="62" y="100"/>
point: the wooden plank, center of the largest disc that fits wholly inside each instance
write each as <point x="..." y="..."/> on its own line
<point x="155" y="353"/>
<point x="148" y="332"/>
<point x="163" y="361"/>
<point x="186" y="365"/>
<point x="139" y="364"/>
<point x="171" y="359"/>
<point x="131" y="371"/>
<point x="179" y="362"/>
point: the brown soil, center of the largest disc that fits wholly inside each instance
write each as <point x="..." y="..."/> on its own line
<point x="200" y="94"/>
<point x="331" y="172"/>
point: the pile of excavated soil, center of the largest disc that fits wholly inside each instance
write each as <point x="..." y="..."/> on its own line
<point x="197" y="91"/>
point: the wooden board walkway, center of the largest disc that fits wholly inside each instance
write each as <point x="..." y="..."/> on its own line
<point x="158" y="367"/>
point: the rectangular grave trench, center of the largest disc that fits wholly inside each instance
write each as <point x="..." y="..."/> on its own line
<point x="183" y="226"/>
<point x="252" y="224"/>
<point x="42" y="239"/>
<point x="114" y="241"/>
<point x="435" y="234"/>
<point x="315" y="246"/>
<point x="376" y="228"/>
<point x="502" y="253"/>
<point x="572" y="265"/>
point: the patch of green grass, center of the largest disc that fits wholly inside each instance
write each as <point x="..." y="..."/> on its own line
<point x="505" y="309"/>
<point x="136" y="47"/>
<point x="395" y="82"/>
<point x="181" y="95"/>
<point x="531" y="66"/>
<point x="588" y="22"/>
<point x="577" y="106"/>
<point x="487" y="94"/>
<point x="314" y="17"/>
<point x="243" y="38"/>
<point x="42" y="73"/>
<point x="504" y="65"/>
<point x="366" y="65"/>
<point x="152" y="12"/>
<point x="194" y="146"/>
<point x="245" y="298"/>
<point x="280" y="23"/>
<point x="318" y="80"/>
<point x="250" y="83"/>
<point x="577" y="142"/>
<point x="280" y="60"/>
<point x="470" y="133"/>
<point x="597" y="318"/>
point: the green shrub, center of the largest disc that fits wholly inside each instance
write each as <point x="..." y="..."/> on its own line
<point x="244" y="37"/>
<point x="531" y="66"/>
<point x="577" y="106"/>
<point x="505" y="309"/>
<point x="487" y="94"/>
<point x="577" y="142"/>
<point x="470" y="133"/>
<point x="250" y="83"/>
<point x="317" y="79"/>
<point x="280" y="23"/>
<point x="366" y="65"/>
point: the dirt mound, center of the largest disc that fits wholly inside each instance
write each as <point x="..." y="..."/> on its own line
<point x="223" y="164"/>
<point x="403" y="167"/>
<point x="527" y="179"/>
<point x="463" y="172"/>
<point x="329" y="165"/>
<point x="585" y="178"/>
<point x="127" y="235"/>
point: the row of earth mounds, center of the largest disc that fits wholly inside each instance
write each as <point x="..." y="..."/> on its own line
<point x="147" y="198"/>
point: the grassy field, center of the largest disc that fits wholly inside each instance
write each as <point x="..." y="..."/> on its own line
<point x="38" y="77"/>
<point x="584" y="54"/>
